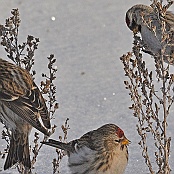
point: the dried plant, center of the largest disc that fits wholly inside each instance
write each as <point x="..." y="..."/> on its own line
<point x="60" y="153"/>
<point x="47" y="88"/>
<point x="23" y="56"/>
<point x="151" y="92"/>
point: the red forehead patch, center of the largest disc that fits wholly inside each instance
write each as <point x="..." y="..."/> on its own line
<point x="120" y="133"/>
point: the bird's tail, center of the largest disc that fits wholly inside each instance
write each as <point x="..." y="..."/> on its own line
<point x="58" y="144"/>
<point x="18" y="151"/>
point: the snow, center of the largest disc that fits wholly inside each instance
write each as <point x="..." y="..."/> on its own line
<point x="87" y="38"/>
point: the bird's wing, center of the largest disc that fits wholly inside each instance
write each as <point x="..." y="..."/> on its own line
<point x="88" y="141"/>
<point x="27" y="109"/>
<point x="22" y="96"/>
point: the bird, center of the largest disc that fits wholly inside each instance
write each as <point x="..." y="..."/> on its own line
<point x="101" y="151"/>
<point x="145" y="20"/>
<point x="22" y="107"/>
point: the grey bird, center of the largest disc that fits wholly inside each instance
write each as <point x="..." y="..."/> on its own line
<point x="101" y="151"/>
<point x="144" y="19"/>
<point x="21" y="107"/>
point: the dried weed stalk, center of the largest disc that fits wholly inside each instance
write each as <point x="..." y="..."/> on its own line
<point x="60" y="153"/>
<point x="49" y="89"/>
<point x="151" y="92"/>
<point x="23" y="56"/>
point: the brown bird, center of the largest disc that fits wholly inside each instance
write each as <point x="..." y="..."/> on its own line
<point x="21" y="106"/>
<point x="101" y="151"/>
<point x="144" y="19"/>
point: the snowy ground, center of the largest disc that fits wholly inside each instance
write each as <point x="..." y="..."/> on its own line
<point x="87" y="38"/>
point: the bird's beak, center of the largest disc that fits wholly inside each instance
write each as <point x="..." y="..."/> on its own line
<point x="125" y="141"/>
<point x="135" y="30"/>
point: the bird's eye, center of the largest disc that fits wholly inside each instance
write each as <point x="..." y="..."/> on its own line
<point x="118" y="141"/>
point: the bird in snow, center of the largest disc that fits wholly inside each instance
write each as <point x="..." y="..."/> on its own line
<point x="21" y="107"/>
<point x="101" y="151"/>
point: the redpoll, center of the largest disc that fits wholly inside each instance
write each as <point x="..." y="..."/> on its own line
<point x="21" y="105"/>
<point x="147" y="21"/>
<point x="103" y="150"/>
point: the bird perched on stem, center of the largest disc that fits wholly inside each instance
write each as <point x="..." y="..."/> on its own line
<point x="156" y="26"/>
<point x="101" y="151"/>
<point x="21" y="106"/>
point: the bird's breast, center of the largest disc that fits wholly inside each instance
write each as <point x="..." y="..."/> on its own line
<point x="88" y="161"/>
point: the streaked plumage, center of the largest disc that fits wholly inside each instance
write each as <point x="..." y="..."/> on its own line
<point x="101" y="151"/>
<point x="21" y="106"/>
<point x="143" y="19"/>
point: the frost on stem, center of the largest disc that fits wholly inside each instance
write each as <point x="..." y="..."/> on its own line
<point x="151" y="93"/>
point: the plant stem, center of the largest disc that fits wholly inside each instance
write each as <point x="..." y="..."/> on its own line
<point x="166" y="167"/>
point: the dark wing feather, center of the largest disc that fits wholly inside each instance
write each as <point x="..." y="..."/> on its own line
<point x="37" y="101"/>
<point x="19" y="92"/>
<point x="30" y="115"/>
<point x="29" y="109"/>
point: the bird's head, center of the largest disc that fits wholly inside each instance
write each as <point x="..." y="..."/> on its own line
<point x="114" y="137"/>
<point x="134" y="17"/>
